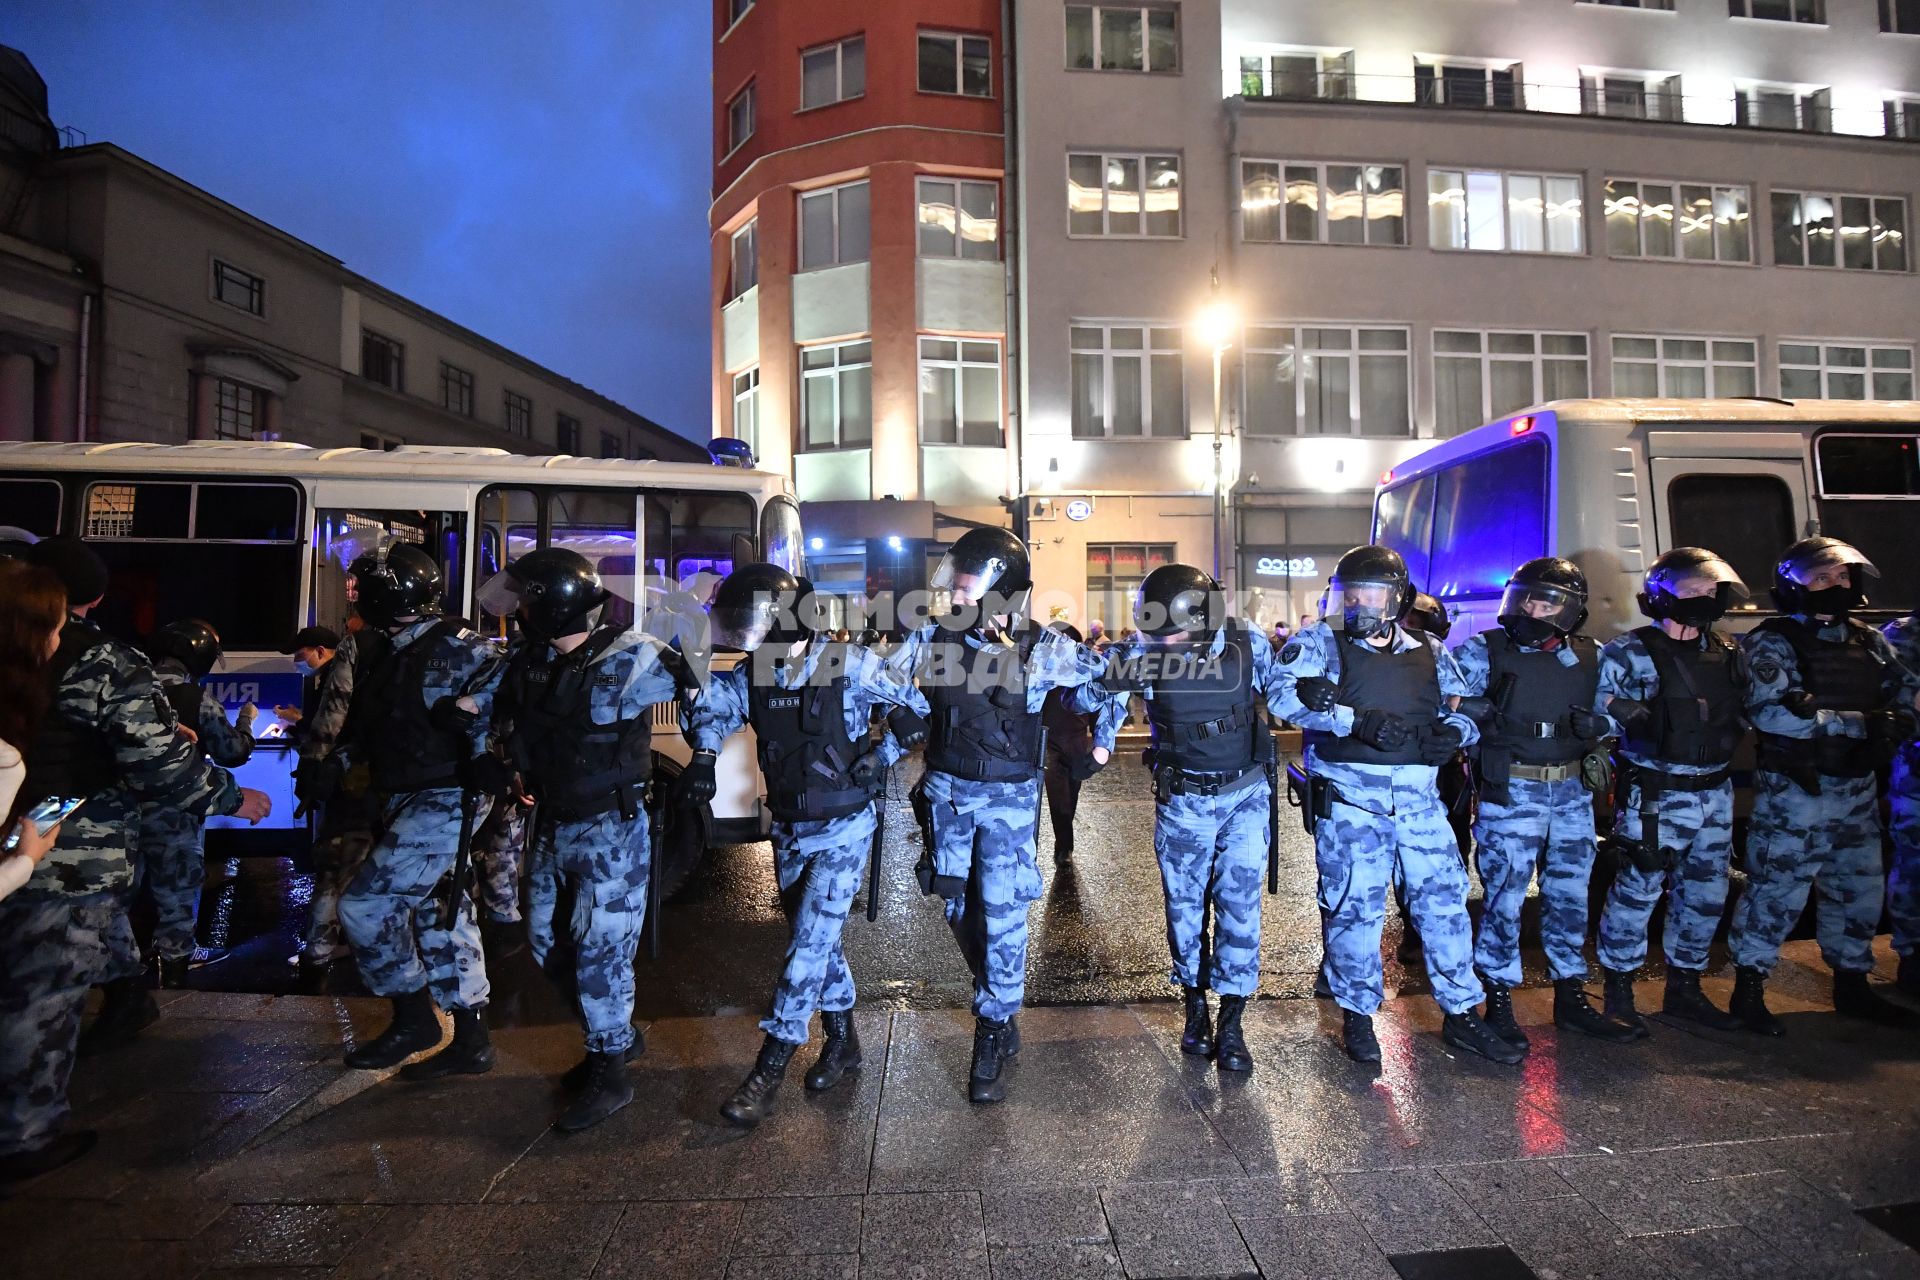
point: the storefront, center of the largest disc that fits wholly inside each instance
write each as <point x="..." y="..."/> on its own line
<point x="1284" y="581"/>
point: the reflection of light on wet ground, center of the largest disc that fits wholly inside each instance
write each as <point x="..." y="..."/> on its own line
<point x="216" y="912"/>
<point x="1397" y="1086"/>
<point x="1537" y="1106"/>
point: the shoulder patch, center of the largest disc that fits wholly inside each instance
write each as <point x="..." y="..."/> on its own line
<point x="1291" y="653"/>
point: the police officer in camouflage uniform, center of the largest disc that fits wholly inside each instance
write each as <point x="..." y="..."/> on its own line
<point x="1378" y="706"/>
<point x="1903" y="822"/>
<point x="811" y="703"/>
<point x="574" y="712"/>
<point x="345" y="807"/>
<point x="1531" y="683"/>
<point x="106" y="737"/>
<point x="1833" y="705"/>
<point x="1675" y="690"/>
<point x="1205" y="678"/>
<point x="986" y="669"/>
<point x="418" y="721"/>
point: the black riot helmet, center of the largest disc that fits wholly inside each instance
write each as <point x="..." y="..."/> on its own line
<point x="192" y="643"/>
<point x="1382" y="591"/>
<point x="986" y="567"/>
<point x="1661" y="598"/>
<point x="1798" y="564"/>
<point x="1545" y="599"/>
<point x="754" y="605"/>
<point x="1428" y="616"/>
<point x="553" y="591"/>
<point x="1178" y="597"/>
<point x="400" y="580"/>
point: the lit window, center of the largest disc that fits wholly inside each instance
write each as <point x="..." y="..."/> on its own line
<point x="959" y="219"/>
<point x="1308" y="201"/>
<point x="1514" y="212"/>
<point x="1123" y="195"/>
<point x="1129" y="381"/>
<point x="833" y="73"/>
<point x="1694" y="222"/>
<point x="833" y="226"/>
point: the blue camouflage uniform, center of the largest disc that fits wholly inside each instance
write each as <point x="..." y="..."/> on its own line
<point x="393" y="914"/>
<point x="818" y="862"/>
<point x="1903" y="805"/>
<point x="64" y="930"/>
<point x="499" y="855"/>
<point x="1798" y="841"/>
<point x="1212" y="849"/>
<point x="984" y="831"/>
<point x="1386" y="824"/>
<point x="1543" y="827"/>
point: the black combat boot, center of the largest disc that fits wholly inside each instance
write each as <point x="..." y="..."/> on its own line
<point x="173" y="973"/>
<point x="1618" y="987"/>
<point x="1357" y="1033"/>
<point x="575" y="1077"/>
<point x="1571" y="1012"/>
<point x="839" y="1055"/>
<point x="1908" y="979"/>
<point x="989" y="1055"/>
<point x="1230" y="1047"/>
<point x="1854" y="997"/>
<point x="126" y="1009"/>
<point x="415" y="1026"/>
<point x="1499" y="1016"/>
<point x="1686" y="1000"/>
<point x="748" y="1105"/>
<point x="63" y="1150"/>
<point x="1750" y="1003"/>
<point x="1197" y="1037"/>
<point x="1010" y="1043"/>
<point x="605" y="1090"/>
<point x="1468" y="1032"/>
<point x="469" y="1053"/>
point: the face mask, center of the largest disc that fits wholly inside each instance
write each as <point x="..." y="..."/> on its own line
<point x="1364" y="623"/>
<point x="1698" y="612"/>
<point x="1832" y="601"/>
<point x="1529" y="631"/>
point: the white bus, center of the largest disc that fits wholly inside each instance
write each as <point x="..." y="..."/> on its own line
<point x="239" y="533"/>
<point x="1610" y="484"/>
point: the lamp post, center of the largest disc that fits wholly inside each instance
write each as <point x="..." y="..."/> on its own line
<point x="1216" y="326"/>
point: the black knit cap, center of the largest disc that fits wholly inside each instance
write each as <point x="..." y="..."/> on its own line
<point x="80" y="569"/>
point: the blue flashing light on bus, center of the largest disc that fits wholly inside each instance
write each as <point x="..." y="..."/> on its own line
<point x="729" y="452"/>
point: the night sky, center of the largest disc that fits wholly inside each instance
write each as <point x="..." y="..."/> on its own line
<point x="537" y="171"/>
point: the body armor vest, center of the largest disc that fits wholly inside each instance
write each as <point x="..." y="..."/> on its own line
<point x="1697" y="706"/>
<point x="574" y="764"/>
<point x="1207" y="718"/>
<point x="1842" y="675"/>
<point x="805" y="750"/>
<point x="1532" y="691"/>
<point x="1406" y="684"/>
<point x="405" y="750"/>
<point x="68" y="757"/>
<point x="981" y="729"/>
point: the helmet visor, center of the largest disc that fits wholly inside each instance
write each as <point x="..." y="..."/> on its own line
<point x="1727" y="584"/>
<point x="745" y="626"/>
<point x="1801" y="568"/>
<point x="1365" y="593"/>
<point x="969" y="577"/>
<point x="500" y="595"/>
<point x="1554" y="606"/>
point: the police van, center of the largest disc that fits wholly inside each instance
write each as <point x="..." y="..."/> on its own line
<point x="254" y="537"/>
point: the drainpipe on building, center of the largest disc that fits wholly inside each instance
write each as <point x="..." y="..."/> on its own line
<point x="86" y="367"/>
<point x="1012" y="247"/>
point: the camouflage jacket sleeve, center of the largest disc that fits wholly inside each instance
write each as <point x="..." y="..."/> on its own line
<point x="1452" y="685"/>
<point x="1903" y="672"/>
<point x="1110" y="698"/>
<point x="115" y="688"/>
<point x="1626" y="671"/>
<point x="874" y="682"/>
<point x="719" y="711"/>
<point x="1773" y="671"/>
<point x="472" y="676"/>
<point x="220" y="738"/>
<point x="1470" y="657"/>
<point x="1059" y="662"/>
<point x="1307" y="655"/>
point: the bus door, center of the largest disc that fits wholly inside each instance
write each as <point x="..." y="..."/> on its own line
<point x="1746" y="506"/>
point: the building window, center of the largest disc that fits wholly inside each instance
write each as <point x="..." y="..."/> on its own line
<point x="833" y="226"/>
<point x="1631" y="95"/>
<point x="1129" y="381"/>
<point x="1467" y="84"/>
<point x="739" y="119"/>
<point x="746" y="408"/>
<point x="1114" y="573"/>
<point x="737" y="9"/>
<point x="611" y="446"/>
<point x="382" y="360"/>
<point x="1852" y="232"/>
<point x="745" y="273"/>
<point x="1695" y="222"/>
<point x="1514" y="212"/>
<point x="1328" y="381"/>
<point x="1900" y="17"/>
<point x="237" y="410"/>
<point x="954" y="63"/>
<point x="959" y="219"/>
<point x="1479" y="375"/>
<point x="237" y="288"/>
<point x="1306" y="201"/>
<point x="1814" y="11"/>
<point x="519" y="414"/>
<point x="1123" y="195"/>
<point x="1665" y="6"/>
<point x="456" y="390"/>
<point x="836" y="395"/>
<point x="1903" y="118"/>
<point x="1845" y="371"/>
<point x="1763" y="106"/>
<point x="1301" y="73"/>
<point x="959" y="391"/>
<point x="1129" y="37"/>
<point x="1679" y="367"/>
<point x="833" y="73"/>
<point x="566" y="433"/>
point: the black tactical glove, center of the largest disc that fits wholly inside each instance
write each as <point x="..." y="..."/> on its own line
<point x="315" y="782"/>
<point x="448" y="716"/>
<point x="1633" y="716"/>
<point x="1890" y="730"/>
<point x="1439" y="742"/>
<point x="1381" y="730"/>
<point x="490" y="775"/>
<point x="696" y="785"/>
<point x="1797" y="702"/>
<point x="1586" y="724"/>
<point x="909" y="727"/>
<point x="866" y="768"/>
<point x="1478" y="710"/>
<point x="1317" y="693"/>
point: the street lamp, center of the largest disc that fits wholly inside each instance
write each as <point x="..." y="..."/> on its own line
<point x="1216" y="325"/>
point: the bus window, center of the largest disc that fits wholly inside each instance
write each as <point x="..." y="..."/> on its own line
<point x="1489" y="515"/>
<point x="599" y="524"/>
<point x="1404" y="522"/>
<point x="780" y="540"/>
<point x="1746" y="519"/>
<point x="33" y="505"/>
<point x="509" y="519"/>
<point x="1868" y="484"/>
<point x="341" y="535"/>
<point x="690" y="533"/>
<point x="225" y="552"/>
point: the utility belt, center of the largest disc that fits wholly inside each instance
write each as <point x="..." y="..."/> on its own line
<point x="1169" y="781"/>
<point x="1647" y="854"/>
<point x="1546" y="772"/>
<point x="1804" y="761"/>
<point x="585" y="799"/>
<point x="972" y="769"/>
<point x="1313" y="796"/>
<point x="817" y="806"/>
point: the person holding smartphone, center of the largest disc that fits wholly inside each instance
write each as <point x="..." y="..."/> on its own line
<point x="34" y="605"/>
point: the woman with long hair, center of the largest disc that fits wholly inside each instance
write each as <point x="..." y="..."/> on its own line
<point x="33" y="606"/>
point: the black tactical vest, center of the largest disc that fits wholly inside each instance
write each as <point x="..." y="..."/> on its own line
<point x="404" y="749"/>
<point x="1206" y="717"/>
<point x="1842" y="675"/>
<point x="68" y="757"/>
<point x="981" y="729"/>
<point x="1533" y="692"/>
<point x="1698" y="702"/>
<point x="1406" y="684"/>
<point x="805" y="750"/>
<point x="575" y="765"/>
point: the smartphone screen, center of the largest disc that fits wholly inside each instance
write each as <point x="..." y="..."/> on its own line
<point x="45" y="816"/>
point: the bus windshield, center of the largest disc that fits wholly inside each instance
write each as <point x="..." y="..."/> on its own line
<point x="1870" y="496"/>
<point x="1463" y="528"/>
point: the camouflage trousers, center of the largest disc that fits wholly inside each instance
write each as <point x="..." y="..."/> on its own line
<point x="1903" y="884"/>
<point x="173" y="868"/>
<point x="395" y="913"/>
<point x="1797" y="842"/>
<point x="1547" y="828"/>
<point x="819" y="865"/>
<point x="499" y="853"/>
<point x="340" y="848"/>
<point x="591" y="873"/>
<point x="988" y="829"/>
<point x="52" y="948"/>
<point x="1696" y="827"/>
<point x="1212" y="852"/>
<point x="1361" y="847"/>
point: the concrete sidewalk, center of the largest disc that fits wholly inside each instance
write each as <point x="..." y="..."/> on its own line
<point x="234" y="1143"/>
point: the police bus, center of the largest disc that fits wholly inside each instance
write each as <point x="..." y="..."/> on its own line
<point x="254" y="537"/>
<point x="1610" y="484"/>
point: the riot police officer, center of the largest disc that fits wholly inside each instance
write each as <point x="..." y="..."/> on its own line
<point x="574" y="712"/>
<point x="1833" y="705"/>
<point x="1377" y="703"/>
<point x="1532" y="681"/>
<point x="1429" y="617"/>
<point x="1903" y="822"/>
<point x="418" y="719"/>
<point x="986" y="668"/>
<point x="1205" y="677"/>
<point x="811" y="702"/>
<point x="1675" y="690"/>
